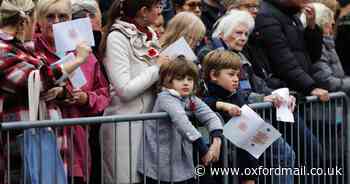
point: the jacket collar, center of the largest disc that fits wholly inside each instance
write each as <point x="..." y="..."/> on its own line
<point x="174" y="93"/>
<point x="143" y="29"/>
<point x="218" y="43"/>
<point x="216" y="90"/>
<point x="130" y="29"/>
<point x="329" y="42"/>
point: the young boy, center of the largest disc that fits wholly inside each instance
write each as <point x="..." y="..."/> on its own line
<point x="221" y="75"/>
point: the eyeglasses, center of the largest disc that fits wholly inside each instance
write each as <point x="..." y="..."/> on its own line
<point x="52" y="17"/>
<point x="194" y="5"/>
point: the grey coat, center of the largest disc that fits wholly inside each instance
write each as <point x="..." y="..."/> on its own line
<point x="175" y="137"/>
<point x="328" y="71"/>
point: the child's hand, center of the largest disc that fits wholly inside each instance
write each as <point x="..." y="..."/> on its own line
<point x="291" y="102"/>
<point x="207" y="158"/>
<point x="276" y="100"/>
<point x="215" y="147"/>
<point x="213" y="153"/>
<point x="231" y="109"/>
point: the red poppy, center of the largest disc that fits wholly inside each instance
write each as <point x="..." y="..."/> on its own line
<point x="192" y="106"/>
<point x="152" y="53"/>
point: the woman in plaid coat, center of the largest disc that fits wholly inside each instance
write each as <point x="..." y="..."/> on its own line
<point x="17" y="60"/>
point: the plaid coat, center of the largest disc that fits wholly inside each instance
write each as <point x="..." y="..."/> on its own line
<point x="16" y="62"/>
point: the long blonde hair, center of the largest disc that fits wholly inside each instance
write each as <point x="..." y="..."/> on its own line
<point x="184" y="24"/>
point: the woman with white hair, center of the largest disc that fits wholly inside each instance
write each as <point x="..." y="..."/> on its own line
<point x="231" y="33"/>
<point x="233" y="29"/>
<point x="328" y="71"/>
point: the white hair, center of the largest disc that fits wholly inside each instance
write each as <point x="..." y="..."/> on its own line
<point x="80" y="6"/>
<point x="323" y="14"/>
<point x="231" y="20"/>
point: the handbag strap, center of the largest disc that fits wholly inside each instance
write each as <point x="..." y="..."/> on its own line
<point x="34" y="85"/>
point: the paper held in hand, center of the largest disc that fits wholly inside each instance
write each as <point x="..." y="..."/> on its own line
<point x="77" y="78"/>
<point x="283" y="113"/>
<point x="180" y="47"/>
<point x="250" y="132"/>
<point x="69" y="34"/>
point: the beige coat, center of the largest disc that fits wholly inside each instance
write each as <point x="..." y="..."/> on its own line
<point x="132" y="74"/>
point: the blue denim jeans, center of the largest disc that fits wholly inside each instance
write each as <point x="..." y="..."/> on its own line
<point x="279" y="155"/>
<point x="306" y="145"/>
<point x="42" y="161"/>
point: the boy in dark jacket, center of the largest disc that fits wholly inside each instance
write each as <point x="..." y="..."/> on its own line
<point x="221" y="74"/>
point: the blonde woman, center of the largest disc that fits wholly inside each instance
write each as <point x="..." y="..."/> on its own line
<point x="184" y="24"/>
<point x="17" y="60"/>
<point x="88" y="100"/>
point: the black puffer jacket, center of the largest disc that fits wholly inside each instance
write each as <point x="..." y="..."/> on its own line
<point x="289" y="47"/>
<point x="261" y="65"/>
<point x="342" y="42"/>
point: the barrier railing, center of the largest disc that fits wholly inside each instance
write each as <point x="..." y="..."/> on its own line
<point x="319" y="138"/>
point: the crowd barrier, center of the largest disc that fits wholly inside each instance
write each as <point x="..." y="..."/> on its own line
<point x="322" y="158"/>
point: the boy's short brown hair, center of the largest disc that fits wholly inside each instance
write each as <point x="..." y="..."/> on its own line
<point x="177" y="68"/>
<point x="218" y="60"/>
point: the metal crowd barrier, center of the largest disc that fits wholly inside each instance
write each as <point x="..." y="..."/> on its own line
<point x="326" y="148"/>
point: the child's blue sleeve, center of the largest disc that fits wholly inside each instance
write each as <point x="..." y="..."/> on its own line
<point x="211" y="102"/>
<point x="201" y="146"/>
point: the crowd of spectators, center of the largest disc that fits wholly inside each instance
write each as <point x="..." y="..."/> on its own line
<point x="245" y="50"/>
